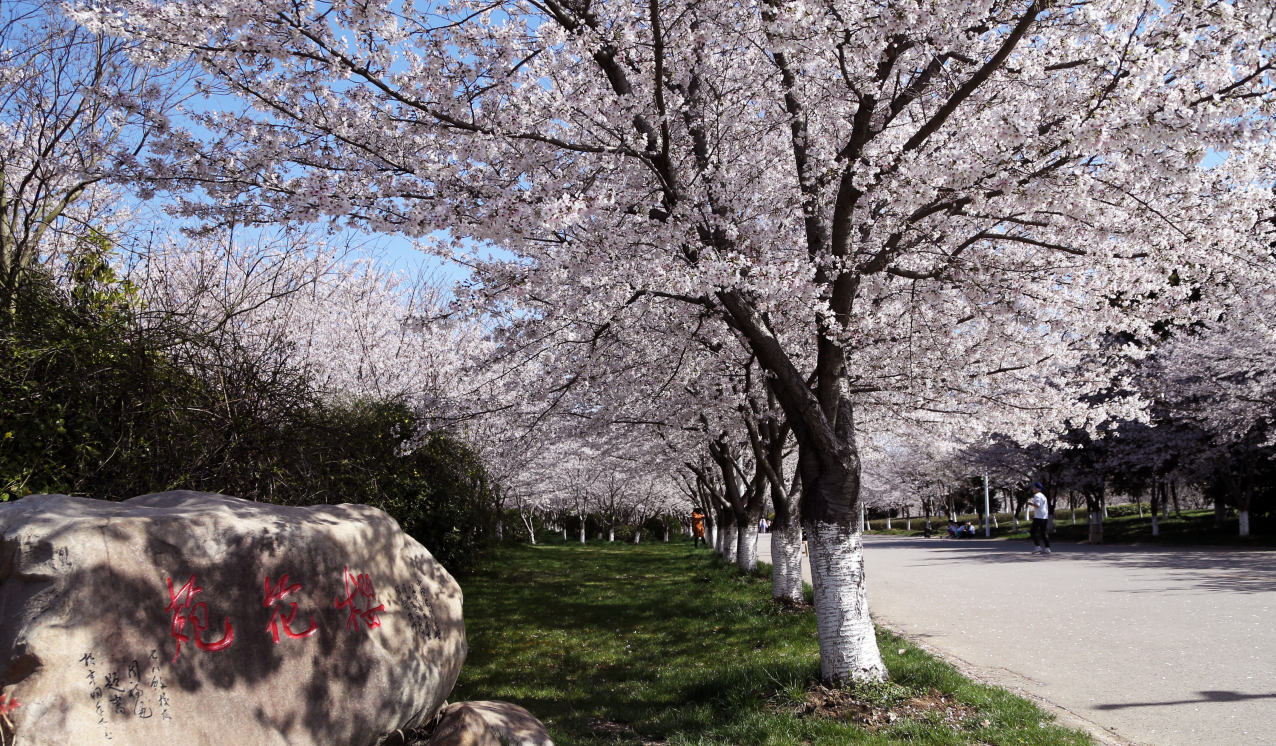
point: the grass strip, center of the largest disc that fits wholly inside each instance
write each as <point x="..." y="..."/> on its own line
<point x="661" y="643"/>
<point x="1192" y="528"/>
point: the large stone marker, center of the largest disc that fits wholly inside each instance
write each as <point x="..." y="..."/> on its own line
<point x="194" y="618"/>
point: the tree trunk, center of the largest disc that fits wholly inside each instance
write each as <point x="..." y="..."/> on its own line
<point x="1244" y="495"/>
<point x="611" y="533"/>
<point x="1156" y="503"/>
<point x="637" y="535"/>
<point x="822" y="420"/>
<point x="747" y="547"/>
<point x="582" y="528"/>
<point x="1220" y="511"/>
<point x="529" y="525"/>
<point x="786" y="536"/>
<point x="1174" y="495"/>
<point x="786" y="573"/>
<point x="888" y="520"/>
<point x="1094" y="506"/>
<point x="1052" y="495"/>
<point x="729" y="537"/>
<point x="500" y="529"/>
<point x="848" y="645"/>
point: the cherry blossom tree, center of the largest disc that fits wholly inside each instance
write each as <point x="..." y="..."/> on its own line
<point x="74" y="109"/>
<point x="1218" y="397"/>
<point x="894" y="204"/>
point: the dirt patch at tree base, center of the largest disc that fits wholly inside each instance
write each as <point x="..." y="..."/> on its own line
<point x="846" y="704"/>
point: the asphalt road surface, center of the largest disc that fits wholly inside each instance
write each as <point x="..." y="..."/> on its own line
<point x="1160" y="646"/>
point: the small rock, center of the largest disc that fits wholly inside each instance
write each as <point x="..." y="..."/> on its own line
<point x="513" y="725"/>
<point x="462" y="726"/>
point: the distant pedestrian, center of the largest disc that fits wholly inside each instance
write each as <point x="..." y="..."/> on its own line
<point x="1040" y="521"/>
<point x="697" y="527"/>
<point x="763" y="525"/>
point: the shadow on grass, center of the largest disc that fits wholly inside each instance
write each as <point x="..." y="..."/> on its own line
<point x="663" y="643"/>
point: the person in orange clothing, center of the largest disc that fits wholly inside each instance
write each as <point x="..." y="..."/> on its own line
<point x="697" y="526"/>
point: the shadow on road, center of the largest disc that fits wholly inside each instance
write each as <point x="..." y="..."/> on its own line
<point x="1204" y="698"/>
<point x="1207" y="569"/>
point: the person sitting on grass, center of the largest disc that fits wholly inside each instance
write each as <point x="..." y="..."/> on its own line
<point x="953" y="531"/>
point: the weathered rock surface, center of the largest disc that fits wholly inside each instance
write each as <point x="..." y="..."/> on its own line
<point x="462" y="726"/>
<point x="195" y="618"/>
<point x="489" y="723"/>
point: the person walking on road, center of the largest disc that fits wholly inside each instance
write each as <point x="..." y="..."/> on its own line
<point x="697" y="527"/>
<point x="1040" y="521"/>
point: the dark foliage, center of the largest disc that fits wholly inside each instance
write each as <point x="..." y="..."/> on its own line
<point x="93" y="402"/>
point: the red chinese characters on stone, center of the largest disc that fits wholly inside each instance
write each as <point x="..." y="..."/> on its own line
<point x="362" y="588"/>
<point x="274" y="595"/>
<point x="188" y="613"/>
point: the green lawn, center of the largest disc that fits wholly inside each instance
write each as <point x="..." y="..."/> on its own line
<point x="1195" y="527"/>
<point x="660" y="643"/>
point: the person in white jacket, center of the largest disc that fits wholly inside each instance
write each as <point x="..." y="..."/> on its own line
<point x="1040" y="507"/>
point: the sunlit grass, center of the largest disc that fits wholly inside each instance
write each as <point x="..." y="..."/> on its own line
<point x="613" y="643"/>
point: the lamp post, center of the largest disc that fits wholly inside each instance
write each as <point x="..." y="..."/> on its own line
<point x="987" y="521"/>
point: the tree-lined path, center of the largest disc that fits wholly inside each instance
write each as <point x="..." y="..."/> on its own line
<point x="1169" y="647"/>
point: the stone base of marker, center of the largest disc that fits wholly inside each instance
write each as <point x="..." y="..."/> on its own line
<point x="488" y="724"/>
<point x="194" y="618"/>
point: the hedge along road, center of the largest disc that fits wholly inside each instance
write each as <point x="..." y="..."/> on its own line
<point x="1158" y="645"/>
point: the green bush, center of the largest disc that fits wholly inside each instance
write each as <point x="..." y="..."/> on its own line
<point x="1122" y="511"/>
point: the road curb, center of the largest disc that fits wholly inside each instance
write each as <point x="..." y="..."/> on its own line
<point x="1065" y="716"/>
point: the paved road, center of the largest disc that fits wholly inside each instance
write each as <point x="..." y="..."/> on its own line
<point x="1162" y="646"/>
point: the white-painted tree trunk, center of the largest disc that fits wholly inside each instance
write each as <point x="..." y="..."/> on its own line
<point x="730" y="539"/>
<point x="582" y="529"/>
<point x="848" y="645"/>
<point x="713" y="538"/>
<point x="746" y="554"/>
<point x="611" y="533"/>
<point x="786" y="574"/>
<point x="637" y="535"/>
<point x="994" y="521"/>
<point x="727" y="538"/>
<point x="1244" y="521"/>
<point x="888" y="521"/>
